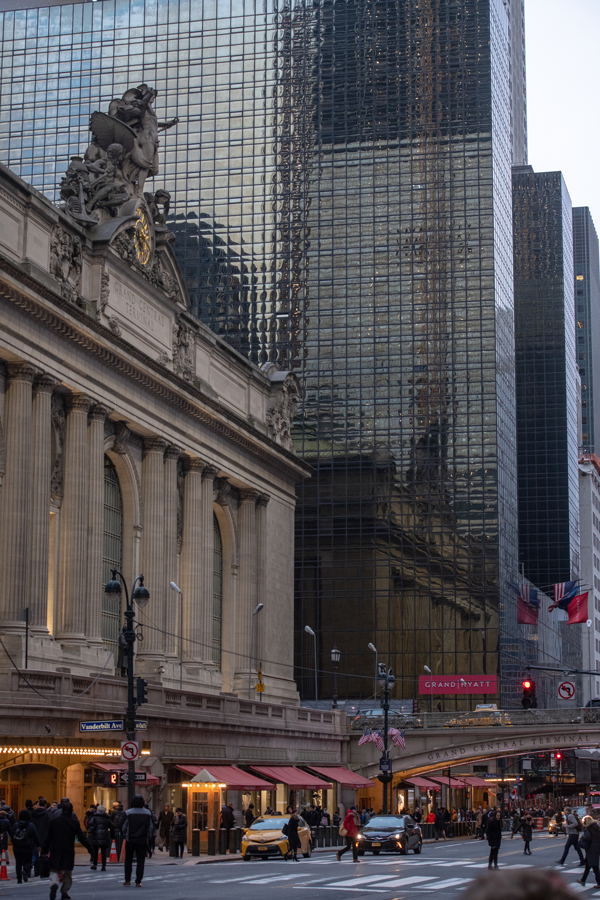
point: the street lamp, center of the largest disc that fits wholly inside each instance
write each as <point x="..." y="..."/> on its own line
<point x="427" y="669"/>
<point x="257" y="610"/>
<point x="178" y="591"/>
<point x="335" y="658"/>
<point x="141" y="595"/>
<point x="465" y="684"/>
<point x="374" y="649"/>
<point x="387" y="682"/>
<point x="309" y="630"/>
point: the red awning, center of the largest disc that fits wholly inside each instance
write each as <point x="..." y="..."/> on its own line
<point x="423" y="784"/>
<point x="477" y="782"/>
<point x="151" y="780"/>
<point x="453" y="783"/>
<point x="342" y="776"/>
<point x="295" y="778"/>
<point x="234" y="778"/>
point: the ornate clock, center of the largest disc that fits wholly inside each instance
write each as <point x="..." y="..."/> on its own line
<point x="142" y="238"/>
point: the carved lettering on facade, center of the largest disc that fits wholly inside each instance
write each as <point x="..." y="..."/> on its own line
<point x="138" y="310"/>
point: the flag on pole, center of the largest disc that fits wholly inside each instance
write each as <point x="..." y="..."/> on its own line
<point x="578" y="609"/>
<point x="564" y="592"/>
<point x="378" y="740"/>
<point x="365" y="738"/>
<point x="528" y="604"/>
<point x="399" y="740"/>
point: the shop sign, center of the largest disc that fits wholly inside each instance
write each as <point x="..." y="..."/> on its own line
<point x="458" y="684"/>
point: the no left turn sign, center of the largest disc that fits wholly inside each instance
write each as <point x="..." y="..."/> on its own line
<point x="130" y="750"/>
<point x="566" y="690"/>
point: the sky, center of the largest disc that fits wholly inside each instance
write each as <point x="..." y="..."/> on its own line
<point x="563" y="96"/>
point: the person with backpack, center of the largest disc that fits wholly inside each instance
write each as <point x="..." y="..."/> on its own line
<point x="64" y="828"/>
<point x="24" y="838"/>
<point x="101" y="833"/>
<point x="351" y="828"/>
<point x="573" y="826"/>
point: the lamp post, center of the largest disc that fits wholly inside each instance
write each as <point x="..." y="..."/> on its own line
<point x="178" y="591"/>
<point x="141" y="595"/>
<point x="427" y="669"/>
<point x="309" y="630"/>
<point x="257" y="610"/>
<point x="465" y="684"/>
<point x="374" y="649"/>
<point x="335" y="658"/>
<point x="386" y="681"/>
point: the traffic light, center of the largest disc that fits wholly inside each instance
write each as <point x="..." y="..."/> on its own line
<point x="558" y="756"/>
<point x="142" y="691"/>
<point x="415" y="706"/>
<point x="529" y="700"/>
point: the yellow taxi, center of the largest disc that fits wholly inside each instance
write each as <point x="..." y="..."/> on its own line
<point x="265" y="838"/>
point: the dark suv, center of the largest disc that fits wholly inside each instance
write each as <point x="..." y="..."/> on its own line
<point x="392" y="834"/>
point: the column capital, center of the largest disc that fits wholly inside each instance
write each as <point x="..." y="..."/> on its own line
<point x="45" y="383"/>
<point x="173" y="452"/>
<point x="248" y="495"/>
<point x="79" y="403"/>
<point x="209" y="473"/>
<point x="155" y="445"/>
<point x="21" y="371"/>
<point x="263" y="500"/>
<point x="194" y="464"/>
<point x="100" y="412"/>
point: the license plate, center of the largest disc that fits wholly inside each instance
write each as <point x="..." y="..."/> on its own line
<point x="376" y="844"/>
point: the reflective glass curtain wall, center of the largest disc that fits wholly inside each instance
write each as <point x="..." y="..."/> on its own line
<point x="587" y="324"/>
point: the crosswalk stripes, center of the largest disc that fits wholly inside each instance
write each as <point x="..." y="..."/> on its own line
<point x="442" y="885"/>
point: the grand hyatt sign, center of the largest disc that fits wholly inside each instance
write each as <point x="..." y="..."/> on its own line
<point x="458" y="684"/>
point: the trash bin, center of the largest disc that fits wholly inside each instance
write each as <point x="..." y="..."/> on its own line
<point x="196" y="842"/>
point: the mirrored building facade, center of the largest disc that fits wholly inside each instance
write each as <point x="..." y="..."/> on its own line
<point x="587" y="324"/>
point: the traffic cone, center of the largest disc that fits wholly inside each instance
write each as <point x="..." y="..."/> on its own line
<point x="122" y="856"/>
<point x="3" y="869"/>
<point x="113" y="853"/>
<point x="98" y="858"/>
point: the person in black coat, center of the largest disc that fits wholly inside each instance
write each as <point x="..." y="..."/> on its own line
<point x="590" y="843"/>
<point x="439" y="825"/>
<point x="137" y="830"/>
<point x="64" y="827"/>
<point x="4" y="833"/>
<point x="493" y="833"/>
<point x="527" y="833"/>
<point x="101" y="834"/>
<point x="293" y="837"/>
<point x="24" y="839"/>
<point x="179" y="827"/>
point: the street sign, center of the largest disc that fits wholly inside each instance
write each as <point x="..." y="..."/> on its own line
<point x="554" y="778"/>
<point x="111" y="725"/>
<point x="118" y="779"/>
<point x="385" y="765"/>
<point x="260" y="687"/>
<point x="130" y="750"/>
<point x="566" y="690"/>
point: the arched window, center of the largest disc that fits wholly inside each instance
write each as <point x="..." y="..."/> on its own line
<point x="113" y="549"/>
<point x="217" y="593"/>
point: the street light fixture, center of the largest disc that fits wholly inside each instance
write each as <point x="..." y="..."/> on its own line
<point x="387" y="682"/>
<point x="335" y="659"/>
<point x="257" y="610"/>
<point x="140" y="595"/>
<point x="374" y="649"/>
<point x="427" y="669"/>
<point x="178" y="591"/>
<point x="309" y="630"/>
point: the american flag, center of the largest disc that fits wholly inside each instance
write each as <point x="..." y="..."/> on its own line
<point x="377" y="740"/>
<point x="529" y="594"/>
<point x="398" y="739"/>
<point x="366" y="737"/>
<point x="563" y="589"/>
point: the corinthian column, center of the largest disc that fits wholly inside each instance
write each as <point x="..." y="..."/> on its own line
<point x="152" y="548"/>
<point x="246" y="587"/>
<point x="41" y="473"/>
<point x="171" y="573"/>
<point x="261" y="570"/>
<point x="95" y="542"/>
<point x="191" y="563"/>
<point x="72" y="574"/>
<point x="16" y="495"/>
<point x="206" y="552"/>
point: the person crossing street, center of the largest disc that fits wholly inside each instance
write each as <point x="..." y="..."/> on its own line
<point x="137" y="829"/>
<point x="573" y="826"/>
<point x="64" y="827"/>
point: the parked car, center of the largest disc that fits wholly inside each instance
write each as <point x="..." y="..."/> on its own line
<point x="265" y="838"/>
<point x="392" y="834"/>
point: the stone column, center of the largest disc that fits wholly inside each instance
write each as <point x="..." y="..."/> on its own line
<point x="16" y="495"/>
<point x="41" y="474"/>
<point x="261" y="572"/>
<point x="206" y="552"/>
<point x="95" y="543"/>
<point x="171" y="563"/>
<point x="246" y="587"/>
<point x="152" y="548"/>
<point x="191" y="563"/>
<point x="73" y="590"/>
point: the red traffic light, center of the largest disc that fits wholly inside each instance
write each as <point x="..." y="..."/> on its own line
<point x="526" y="685"/>
<point x="558" y="755"/>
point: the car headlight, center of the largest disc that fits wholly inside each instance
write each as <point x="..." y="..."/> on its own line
<point x="359" y="837"/>
<point x="397" y="835"/>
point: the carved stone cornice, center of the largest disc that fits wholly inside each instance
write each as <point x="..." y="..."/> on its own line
<point x="79" y="403"/>
<point x="21" y="371"/>
<point x="263" y="500"/>
<point x="173" y="452"/>
<point x="248" y="495"/>
<point x="209" y="473"/>
<point x="45" y="384"/>
<point x="100" y="412"/>
<point x="155" y="445"/>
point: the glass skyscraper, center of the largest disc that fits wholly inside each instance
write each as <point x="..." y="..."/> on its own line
<point x="341" y="181"/>
<point x="587" y="324"/>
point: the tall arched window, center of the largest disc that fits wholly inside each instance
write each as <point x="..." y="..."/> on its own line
<point x="217" y="593"/>
<point x="113" y="549"/>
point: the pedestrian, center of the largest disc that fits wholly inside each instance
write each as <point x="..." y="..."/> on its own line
<point x="439" y="824"/>
<point x="227" y="821"/>
<point x="63" y="828"/>
<point x="249" y="816"/>
<point x="336" y="818"/>
<point x="325" y="818"/>
<point x="478" y="821"/>
<point x="179" y="831"/>
<point x="101" y="833"/>
<point x="24" y="838"/>
<point x="293" y="838"/>
<point x="164" y="828"/>
<point x="117" y="817"/>
<point x="137" y="828"/>
<point x="590" y="842"/>
<point x="9" y="813"/>
<point x="152" y="838"/>
<point x="4" y="832"/>
<point x="417" y="815"/>
<point x="516" y="824"/>
<point x="493" y="834"/>
<point x="573" y="827"/>
<point x="40" y="817"/>
<point x="351" y="827"/>
<point x="527" y="833"/>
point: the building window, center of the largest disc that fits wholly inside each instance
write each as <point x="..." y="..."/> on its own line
<point x="113" y="549"/>
<point x="217" y="593"/>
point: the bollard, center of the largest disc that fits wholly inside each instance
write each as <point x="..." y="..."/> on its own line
<point x="172" y="848"/>
<point x="335" y="835"/>
<point x="232" y="840"/>
<point x="222" y="841"/>
<point x="238" y="840"/>
<point x="320" y="836"/>
<point x="196" y="842"/>
<point x="328" y="836"/>
<point x="211" y="842"/>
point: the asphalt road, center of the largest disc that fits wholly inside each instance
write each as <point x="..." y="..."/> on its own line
<point x="447" y="867"/>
